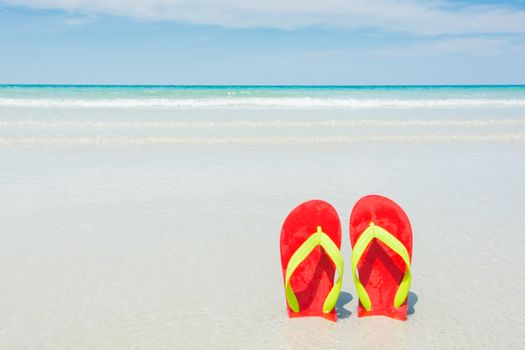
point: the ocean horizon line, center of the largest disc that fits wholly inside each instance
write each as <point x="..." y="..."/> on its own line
<point x="284" y="86"/>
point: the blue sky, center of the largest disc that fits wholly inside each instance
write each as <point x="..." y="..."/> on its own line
<point x="352" y="42"/>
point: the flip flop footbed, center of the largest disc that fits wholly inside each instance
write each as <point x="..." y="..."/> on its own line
<point x="313" y="278"/>
<point x="380" y="269"/>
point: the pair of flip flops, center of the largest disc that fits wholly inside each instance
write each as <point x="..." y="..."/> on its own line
<point x="381" y="239"/>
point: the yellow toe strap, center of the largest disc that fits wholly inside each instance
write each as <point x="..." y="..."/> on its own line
<point x="391" y="242"/>
<point x="318" y="238"/>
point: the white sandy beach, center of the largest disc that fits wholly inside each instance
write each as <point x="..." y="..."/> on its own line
<point x="177" y="246"/>
<point x="158" y="227"/>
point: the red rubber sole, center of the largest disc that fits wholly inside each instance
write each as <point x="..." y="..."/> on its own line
<point x="314" y="278"/>
<point x="381" y="269"/>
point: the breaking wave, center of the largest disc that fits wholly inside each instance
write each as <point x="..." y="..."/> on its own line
<point x="256" y="140"/>
<point x="254" y="124"/>
<point x="275" y="102"/>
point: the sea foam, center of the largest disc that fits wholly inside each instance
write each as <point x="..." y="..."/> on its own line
<point x="278" y="102"/>
<point x="124" y="140"/>
<point x="254" y="124"/>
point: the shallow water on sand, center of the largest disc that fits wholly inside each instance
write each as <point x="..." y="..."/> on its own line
<point x="144" y="115"/>
<point x="178" y="245"/>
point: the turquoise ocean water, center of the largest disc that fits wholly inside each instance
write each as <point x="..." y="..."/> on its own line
<point x="258" y="114"/>
<point x="259" y="96"/>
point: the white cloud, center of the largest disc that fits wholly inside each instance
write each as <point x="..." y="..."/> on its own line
<point x="420" y="17"/>
<point x="455" y="46"/>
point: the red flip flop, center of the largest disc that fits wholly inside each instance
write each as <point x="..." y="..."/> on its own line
<point x="310" y="254"/>
<point x="381" y="238"/>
